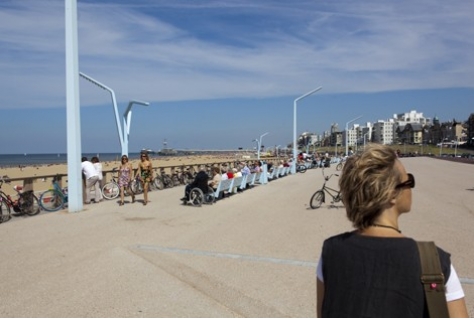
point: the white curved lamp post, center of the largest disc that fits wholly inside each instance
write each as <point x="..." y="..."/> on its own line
<point x="127" y="120"/>
<point x="347" y="128"/>
<point x="127" y="116"/>
<point x="293" y="166"/>
<point x="260" y="145"/>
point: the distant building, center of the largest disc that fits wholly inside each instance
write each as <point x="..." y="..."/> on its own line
<point x="383" y="132"/>
<point x="352" y="135"/>
<point x="412" y="133"/>
<point x="470" y="129"/>
<point x="410" y="117"/>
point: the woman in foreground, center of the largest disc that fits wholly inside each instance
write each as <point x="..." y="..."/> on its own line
<point x="375" y="270"/>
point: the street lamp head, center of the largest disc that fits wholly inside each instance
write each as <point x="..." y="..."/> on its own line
<point x="139" y="102"/>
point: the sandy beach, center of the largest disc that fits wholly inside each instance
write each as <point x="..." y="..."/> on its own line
<point x="41" y="184"/>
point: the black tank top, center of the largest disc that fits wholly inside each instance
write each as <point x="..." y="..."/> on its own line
<point x="374" y="277"/>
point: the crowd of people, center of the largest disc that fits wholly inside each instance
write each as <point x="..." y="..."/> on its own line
<point x="209" y="177"/>
<point x="92" y="177"/>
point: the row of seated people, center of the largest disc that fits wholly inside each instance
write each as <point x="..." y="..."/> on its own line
<point x="203" y="181"/>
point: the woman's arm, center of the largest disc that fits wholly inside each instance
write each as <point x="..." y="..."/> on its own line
<point x="131" y="176"/>
<point x="319" y="297"/>
<point x="457" y="308"/>
<point x="139" y="171"/>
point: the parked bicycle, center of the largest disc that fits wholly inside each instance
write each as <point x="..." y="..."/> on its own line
<point x="54" y="199"/>
<point x="319" y="196"/>
<point x="26" y="202"/>
<point x="185" y="176"/>
<point x="163" y="180"/>
<point x="111" y="190"/>
<point x="136" y="186"/>
<point x="340" y="165"/>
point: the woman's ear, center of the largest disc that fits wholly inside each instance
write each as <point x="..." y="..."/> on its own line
<point x="393" y="201"/>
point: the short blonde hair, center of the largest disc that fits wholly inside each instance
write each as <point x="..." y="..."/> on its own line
<point x="368" y="183"/>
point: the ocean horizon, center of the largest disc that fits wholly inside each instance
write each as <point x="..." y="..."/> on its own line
<point x="40" y="159"/>
<point x="15" y="160"/>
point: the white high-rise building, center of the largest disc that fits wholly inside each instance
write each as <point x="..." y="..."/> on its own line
<point x="352" y="135"/>
<point x="383" y="131"/>
<point x="410" y="117"/>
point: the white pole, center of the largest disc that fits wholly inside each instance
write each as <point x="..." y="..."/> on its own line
<point x="260" y="144"/>
<point x="114" y="103"/>
<point x="258" y="147"/>
<point x="127" y="120"/>
<point x="347" y="128"/>
<point x="456" y="147"/>
<point x="293" y="166"/>
<point x="73" y="115"/>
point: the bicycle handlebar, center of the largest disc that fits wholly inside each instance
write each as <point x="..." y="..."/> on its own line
<point x="328" y="177"/>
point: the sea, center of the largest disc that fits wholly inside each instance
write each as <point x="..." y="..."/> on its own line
<point x="16" y="160"/>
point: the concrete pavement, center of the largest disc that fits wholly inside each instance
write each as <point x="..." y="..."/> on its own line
<point x="250" y="255"/>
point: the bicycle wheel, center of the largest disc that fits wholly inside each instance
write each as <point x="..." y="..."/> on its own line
<point x="158" y="183"/>
<point x="339" y="167"/>
<point x="317" y="199"/>
<point x="168" y="181"/>
<point x="111" y="190"/>
<point x="5" y="212"/>
<point x="29" y="204"/>
<point x="136" y="187"/>
<point x="302" y="168"/>
<point x="51" y="200"/>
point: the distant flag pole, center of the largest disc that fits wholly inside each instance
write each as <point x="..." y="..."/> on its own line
<point x="73" y="116"/>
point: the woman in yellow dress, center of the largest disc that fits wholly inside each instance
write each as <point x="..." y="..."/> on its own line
<point x="145" y="174"/>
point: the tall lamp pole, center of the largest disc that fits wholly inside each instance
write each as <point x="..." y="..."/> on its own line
<point x="73" y="114"/>
<point x="293" y="167"/>
<point x="258" y="147"/>
<point x="364" y="138"/>
<point x="127" y="120"/>
<point x="347" y="129"/>
<point x="260" y="144"/>
<point x="456" y="147"/>
<point x="127" y="116"/>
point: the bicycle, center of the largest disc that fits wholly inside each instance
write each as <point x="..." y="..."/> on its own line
<point x="27" y="203"/>
<point x="319" y="196"/>
<point x="163" y="180"/>
<point x="301" y="168"/>
<point x="340" y="165"/>
<point x="54" y="199"/>
<point x="111" y="190"/>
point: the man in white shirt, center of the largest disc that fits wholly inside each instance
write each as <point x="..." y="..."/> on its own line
<point x="92" y="179"/>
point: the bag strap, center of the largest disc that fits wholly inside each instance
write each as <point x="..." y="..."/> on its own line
<point x="432" y="278"/>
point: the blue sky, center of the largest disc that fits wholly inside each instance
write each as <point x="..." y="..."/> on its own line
<point x="219" y="74"/>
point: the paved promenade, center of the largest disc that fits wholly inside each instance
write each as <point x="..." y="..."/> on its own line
<point x="251" y="255"/>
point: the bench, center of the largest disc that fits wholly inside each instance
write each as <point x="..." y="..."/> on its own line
<point x="223" y="186"/>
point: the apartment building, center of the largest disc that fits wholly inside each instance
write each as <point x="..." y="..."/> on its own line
<point x="383" y="131"/>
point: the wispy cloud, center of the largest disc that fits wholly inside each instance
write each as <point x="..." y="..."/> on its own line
<point x="183" y="50"/>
